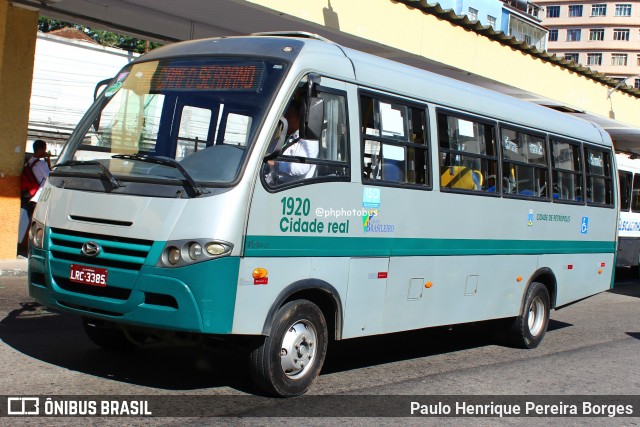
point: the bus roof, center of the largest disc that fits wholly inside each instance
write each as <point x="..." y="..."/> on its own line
<point x="628" y="162"/>
<point x="315" y="53"/>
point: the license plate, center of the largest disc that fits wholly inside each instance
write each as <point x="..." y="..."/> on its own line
<point x="88" y="275"/>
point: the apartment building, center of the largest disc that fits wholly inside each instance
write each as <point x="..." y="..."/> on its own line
<point x="517" y="18"/>
<point x="521" y="19"/>
<point x="602" y="35"/>
<point x="487" y="12"/>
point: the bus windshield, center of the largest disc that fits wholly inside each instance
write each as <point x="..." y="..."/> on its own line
<point x="199" y="114"/>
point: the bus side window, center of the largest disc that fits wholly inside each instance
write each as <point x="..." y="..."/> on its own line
<point x="394" y="142"/>
<point x="334" y="145"/>
<point x="566" y="171"/>
<point x="524" y="169"/>
<point x="305" y="160"/>
<point x="635" y="192"/>
<point x="468" y="155"/>
<point x="626" y="197"/>
<point x="599" y="181"/>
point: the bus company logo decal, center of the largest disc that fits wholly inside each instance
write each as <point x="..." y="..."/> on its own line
<point x="91" y="248"/>
<point x="530" y="218"/>
<point x="628" y="225"/>
<point x="553" y="218"/>
<point x="368" y="216"/>
<point x="371" y="225"/>
<point x="257" y="244"/>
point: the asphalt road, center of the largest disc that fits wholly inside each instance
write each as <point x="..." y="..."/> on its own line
<point x="591" y="348"/>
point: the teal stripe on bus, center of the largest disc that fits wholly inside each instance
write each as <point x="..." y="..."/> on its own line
<point x="299" y="246"/>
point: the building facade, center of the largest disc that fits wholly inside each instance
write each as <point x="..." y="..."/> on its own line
<point x="517" y="18"/>
<point x="487" y="12"/>
<point x="601" y="35"/>
<point x="66" y="69"/>
<point x="521" y="19"/>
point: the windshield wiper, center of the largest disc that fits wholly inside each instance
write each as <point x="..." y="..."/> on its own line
<point x="166" y="161"/>
<point x="115" y="182"/>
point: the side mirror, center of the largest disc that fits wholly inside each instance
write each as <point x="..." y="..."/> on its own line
<point x="100" y="84"/>
<point x="312" y="118"/>
<point x="275" y="148"/>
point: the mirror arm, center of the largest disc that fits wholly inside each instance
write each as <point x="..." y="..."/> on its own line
<point x="313" y="80"/>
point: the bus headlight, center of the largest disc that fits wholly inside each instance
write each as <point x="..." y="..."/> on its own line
<point x="195" y="251"/>
<point x="36" y="234"/>
<point x="215" y="249"/>
<point x="173" y="255"/>
<point x="178" y="253"/>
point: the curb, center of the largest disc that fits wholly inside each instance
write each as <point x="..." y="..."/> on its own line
<point x="12" y="273"/>
<point x="13" y="267"/>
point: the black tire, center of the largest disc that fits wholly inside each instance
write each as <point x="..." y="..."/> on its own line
<point x="289" y="360"/>
<point x="107" y="335"/>
<point x="528" y="329"/>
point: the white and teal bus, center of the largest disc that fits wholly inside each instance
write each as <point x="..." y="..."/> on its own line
<point x="180" y="207"/>
<point x="629" y="222"/>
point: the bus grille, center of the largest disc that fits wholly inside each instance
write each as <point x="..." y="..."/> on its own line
<point x="118" y="252"/>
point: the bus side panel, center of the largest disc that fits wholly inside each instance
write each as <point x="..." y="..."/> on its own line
<point x="629" y="239"/>
<point x="432" y="291"/>
<point x="365" y="302"/>
<point x="256" y="297"/>
<point x="579" y="275"/>
<point x="628" y="252"/>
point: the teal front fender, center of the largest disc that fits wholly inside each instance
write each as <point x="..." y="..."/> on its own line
<point x="212" y="283"/>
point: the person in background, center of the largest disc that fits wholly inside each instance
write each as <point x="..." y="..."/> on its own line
<point x="40" y="162"/>
<point x="40" y="165"/>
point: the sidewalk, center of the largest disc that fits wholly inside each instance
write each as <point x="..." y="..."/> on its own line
<point x="13" y="267"/>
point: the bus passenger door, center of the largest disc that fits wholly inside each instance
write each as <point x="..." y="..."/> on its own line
<point x="367" y="287"/>
<point x="296" y="229"/>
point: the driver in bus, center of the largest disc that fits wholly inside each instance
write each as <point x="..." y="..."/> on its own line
<point x="283" y="171"/>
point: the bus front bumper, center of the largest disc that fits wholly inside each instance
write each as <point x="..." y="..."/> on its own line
<point x="198" y="298"/>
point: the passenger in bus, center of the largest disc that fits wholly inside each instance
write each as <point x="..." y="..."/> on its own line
<point x="491" y="184"/>
<point x="283" y="171"/>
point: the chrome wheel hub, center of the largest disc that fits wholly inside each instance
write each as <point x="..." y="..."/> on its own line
<point x="298" y="349"/>
<point x="536" y="316"/>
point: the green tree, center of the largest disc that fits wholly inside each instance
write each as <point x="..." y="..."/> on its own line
<point x="47" y="24"/>
<point x="105" y="38"/>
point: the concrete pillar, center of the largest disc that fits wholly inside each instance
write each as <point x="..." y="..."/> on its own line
<point x="18" y="31"/>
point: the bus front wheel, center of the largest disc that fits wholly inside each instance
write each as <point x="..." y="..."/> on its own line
<point x="289" y="360"/>
<point x="528" y="329"/>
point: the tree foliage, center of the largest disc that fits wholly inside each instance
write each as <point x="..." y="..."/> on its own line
<point x="105" y="38"/>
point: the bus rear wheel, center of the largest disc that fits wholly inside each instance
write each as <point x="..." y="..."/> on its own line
<point x="108" y="336"/>
<point x="291" y="357"/>
<point x="528" y="329"/>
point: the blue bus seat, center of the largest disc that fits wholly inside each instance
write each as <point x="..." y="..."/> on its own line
<point x="391" y="171"/>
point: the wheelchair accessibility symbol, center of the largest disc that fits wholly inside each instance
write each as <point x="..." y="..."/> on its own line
<point x="584" y="227"/>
